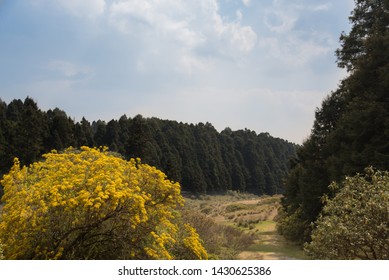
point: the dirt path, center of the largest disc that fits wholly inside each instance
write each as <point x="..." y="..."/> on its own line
<point x="255" y="216"/>
<point x="270" y="247"/>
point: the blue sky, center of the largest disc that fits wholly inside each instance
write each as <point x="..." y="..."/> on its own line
<point x="264" y="65"/>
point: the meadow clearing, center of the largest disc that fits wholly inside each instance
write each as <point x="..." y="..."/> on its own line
<point x="254" y="217"/>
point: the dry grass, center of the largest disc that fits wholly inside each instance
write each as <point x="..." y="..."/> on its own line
<point x="252" y="215"/>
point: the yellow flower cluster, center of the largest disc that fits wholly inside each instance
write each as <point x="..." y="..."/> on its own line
<point x="193" y="244"/>
<point x="89" y="203"/>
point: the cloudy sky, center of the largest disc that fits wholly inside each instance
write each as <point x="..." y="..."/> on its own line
<point x="264" y="65"/>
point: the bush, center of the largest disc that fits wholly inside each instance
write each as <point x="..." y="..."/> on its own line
<point x="235" y="207"/>
<point x="355" y="223"/>
<point x="91" y="204"/>
<point x="293" y="227"/>
<point x="221" y="242"/>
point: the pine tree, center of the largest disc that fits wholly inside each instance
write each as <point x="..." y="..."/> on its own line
<point x="351" y="128"/>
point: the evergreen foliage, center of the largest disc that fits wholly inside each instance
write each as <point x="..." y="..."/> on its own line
<point x="200" y="158"/>
<point x="351" y="129"/>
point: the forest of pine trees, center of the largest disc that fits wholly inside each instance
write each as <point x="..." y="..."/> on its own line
<point x="199" y="157"/>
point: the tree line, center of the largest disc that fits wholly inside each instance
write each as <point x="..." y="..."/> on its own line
<point x="197" y="156"/>
<point x="351" y="129"/>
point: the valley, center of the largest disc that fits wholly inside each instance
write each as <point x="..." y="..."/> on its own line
<point x="254" y="216"/>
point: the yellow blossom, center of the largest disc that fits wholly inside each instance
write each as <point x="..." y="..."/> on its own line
<point x="89" y="203"/>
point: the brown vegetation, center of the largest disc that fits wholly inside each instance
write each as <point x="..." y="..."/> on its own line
<point x="239" y="226"/>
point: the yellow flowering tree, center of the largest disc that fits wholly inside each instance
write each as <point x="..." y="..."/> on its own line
<point x="92" y="204"/>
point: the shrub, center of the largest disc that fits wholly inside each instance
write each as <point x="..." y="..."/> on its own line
<point x="293" y="227"/>
<point x="355" y="223"/>
<point x="91" y="204"/>
<point x="234" y="207"/>
<point x="221" y="242"/>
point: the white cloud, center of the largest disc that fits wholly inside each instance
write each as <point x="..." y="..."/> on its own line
<point x="293" y="41"/>
<point x="184" y="32"/>
<point x="165" y="18"/>
<point x="296" y="51"/>
<point x="69" y="71"/>
<point x="322" y="7"/>
<point x="279" y="21"/>
<point x="189" y="63"/>
<point x="247" y="3"/>
<point x="191" y="23"/>
<point x="238" y="37"/>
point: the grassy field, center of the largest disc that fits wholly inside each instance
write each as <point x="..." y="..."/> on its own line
<point x="252" y="215"/>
